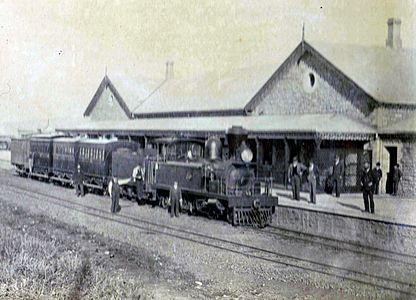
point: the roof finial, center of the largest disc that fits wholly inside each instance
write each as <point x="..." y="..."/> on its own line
<point x="303" y="31"/>
<point x="105" y="70"/>
<point x="303" y="36"/>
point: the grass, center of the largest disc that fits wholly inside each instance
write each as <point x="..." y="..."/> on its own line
<point x="42" y="266"/>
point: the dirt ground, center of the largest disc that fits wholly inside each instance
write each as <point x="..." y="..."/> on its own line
<point x="59" y="246"/>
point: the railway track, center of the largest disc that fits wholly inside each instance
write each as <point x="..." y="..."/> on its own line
<point x="400" y="287"/>
<point x="335" y="244"/>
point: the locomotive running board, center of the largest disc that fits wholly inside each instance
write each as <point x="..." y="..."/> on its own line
<point x="38" y="175"/>
<point x="94" y="186"/>
<point x="61" y="179"/>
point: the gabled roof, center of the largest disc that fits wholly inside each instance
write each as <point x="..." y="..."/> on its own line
<point x="208" y="92"/>
<point x="106" y="82"/>
<point x="406" y="126"/>
<point x="387" y="75"/>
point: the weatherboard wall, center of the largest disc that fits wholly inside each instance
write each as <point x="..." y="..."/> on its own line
<point x="107" y="108"/>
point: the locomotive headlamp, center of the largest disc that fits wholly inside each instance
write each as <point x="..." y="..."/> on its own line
<point x="247" y="155"/>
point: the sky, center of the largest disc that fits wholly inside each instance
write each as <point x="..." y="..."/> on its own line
<point x="53" y="54"/>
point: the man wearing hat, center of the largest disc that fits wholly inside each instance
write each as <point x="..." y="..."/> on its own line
<point x="397" y="175"/>
<point x="175" y="196"/>
<point x="115" y="196"/>
<point x="337" y="173"/>
<point x="313" y="177"/>
<point x="295" y="172"/>
<point x="79" y="181"/>
<point x="377" y="175"/>
<point x="367" y="181"/>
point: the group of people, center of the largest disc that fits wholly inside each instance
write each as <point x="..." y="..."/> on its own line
<point x="369" y="180"/>
<point x="312" y="172"/>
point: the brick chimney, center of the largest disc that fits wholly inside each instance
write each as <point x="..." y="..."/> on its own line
<point x="169" y="70"/>
<point x="393" y="34"/>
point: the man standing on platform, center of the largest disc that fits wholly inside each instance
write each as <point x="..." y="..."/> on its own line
<point x="377" y="175"/>
<point x="337" y="173"/>
<point x="313" y="176"/>
<point x="295" y="172"/>
<point x="367" y="180"/>
<point x="397" y="175"/>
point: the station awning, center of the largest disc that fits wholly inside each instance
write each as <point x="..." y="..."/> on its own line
<point x="322" y="126"/>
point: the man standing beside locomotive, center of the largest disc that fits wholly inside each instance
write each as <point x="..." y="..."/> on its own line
<point x="115" y="196"/>
<point x="295" y="172"/>
<point x="79" y="182"/>
<point x="175" y="197"/>
<point x="337" y="173"/>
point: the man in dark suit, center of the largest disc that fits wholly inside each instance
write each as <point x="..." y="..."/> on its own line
<point x="175" y="198"/>
<point x="313" y="176"/>
<point x="377" y="175"/>
<point x="79" y="181"/>
<point x="295" y="172"/>
<point x="367" y="184"/>
<point x="337" y="173"/>
<point x="397" y="175"/>
<point x="115" y="196"/>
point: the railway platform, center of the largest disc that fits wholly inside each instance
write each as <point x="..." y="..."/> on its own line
<point x="392" y="227"/>
<point x="394" y="209"/>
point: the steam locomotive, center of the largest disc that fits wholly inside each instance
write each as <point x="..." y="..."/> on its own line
<point x="217" y="184"/>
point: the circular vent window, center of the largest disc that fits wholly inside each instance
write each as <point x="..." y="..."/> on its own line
<point x="310" y="81"/>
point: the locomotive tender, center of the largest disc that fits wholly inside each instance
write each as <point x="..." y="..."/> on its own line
<point x="217" y="184"/>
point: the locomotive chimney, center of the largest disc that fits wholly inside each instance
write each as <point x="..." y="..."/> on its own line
<point x="235" y="136"/>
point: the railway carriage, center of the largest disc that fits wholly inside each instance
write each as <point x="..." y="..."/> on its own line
<point x="65" y="159"/>
<point x="95" y="158"/>
<point x="19" y="155"/>
<point x="41" y="155"/>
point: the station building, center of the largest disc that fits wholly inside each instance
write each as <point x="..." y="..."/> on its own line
<point x="358" y="102"/>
